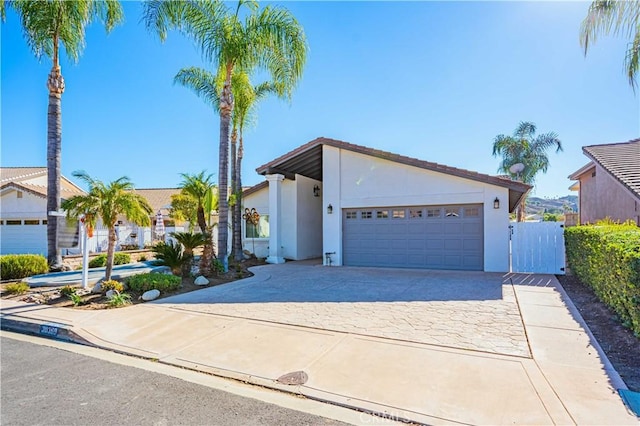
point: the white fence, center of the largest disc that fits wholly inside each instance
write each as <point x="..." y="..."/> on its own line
<point x="537" y="247"/>
<point x="125" y="235"/>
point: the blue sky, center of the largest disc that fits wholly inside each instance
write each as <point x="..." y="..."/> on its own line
<point x="432" y="80"/>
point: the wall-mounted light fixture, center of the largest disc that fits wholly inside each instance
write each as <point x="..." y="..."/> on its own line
<point x="329" y="209"/>
<point x="316" y="191"/>
<point x="496" y="203"/>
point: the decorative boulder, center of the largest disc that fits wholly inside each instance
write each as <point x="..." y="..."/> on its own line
<point x="201" y="281"/>
<point x="110" y="294"/>
<point x="97" y="288"/>
<point x="150" y="295"/>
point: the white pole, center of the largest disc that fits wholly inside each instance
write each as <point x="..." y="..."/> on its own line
<point x="85" y="255"/>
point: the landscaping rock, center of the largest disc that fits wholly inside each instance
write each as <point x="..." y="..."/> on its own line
<point x="150" y="295"/>
<point x="201" y="281"/>
<point x="110" y="294"/>
<point x="97" y="288"/>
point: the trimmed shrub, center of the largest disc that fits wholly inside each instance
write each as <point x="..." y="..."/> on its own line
<point x="111" y="285"/>
<point x="118" y="259"/>
<point x="17" y="266"/>
<point x="145" y="282"/>
<point x="17" y="288"/>
<point x="607" y="259"/>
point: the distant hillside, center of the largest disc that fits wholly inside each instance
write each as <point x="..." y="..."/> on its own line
<point x="536" y="205"/>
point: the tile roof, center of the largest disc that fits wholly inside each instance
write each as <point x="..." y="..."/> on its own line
<point x="158" y="198"/>
<point x="21" y="177"/>
<point x="17" y="174"/>
<point x="255" y="188"/>
<point x="621" y="160"/>
<point x="306" y="160"/>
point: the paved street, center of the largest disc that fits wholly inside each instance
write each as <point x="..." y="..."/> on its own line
<point x="50" y="386"/>
<point x="412" y="305"/>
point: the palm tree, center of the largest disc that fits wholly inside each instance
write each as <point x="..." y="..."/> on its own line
<point x="209" y="87"/>
<point x="269" y="40"/>
<point x="199" y="187"/>
<point x="528" y="149"/>
<point x="246" y="98"/>
<point x="108" y="202"/>
<point x="617" y="17"/>
<point x="47" y="26"/>
<point x="189" y="241"/>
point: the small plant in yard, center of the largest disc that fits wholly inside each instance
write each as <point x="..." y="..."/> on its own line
<point x="118" y="259"/>
<point x="142" y="258"/>
<point x="170" y="254"/>
<point x="119" y="299"/>
<point x="17" y="288"/>
<point x="217" y="267"/>
<point x="111" y="285"/>
<point x="144" y="282"/>
<point x="67" y="291"/>
<point x="76" y="299"/>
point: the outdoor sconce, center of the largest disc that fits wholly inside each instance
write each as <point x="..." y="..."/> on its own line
<point x="329" y="209"/>
<point x="496" y="203"/>
<point x="316" y="191"/>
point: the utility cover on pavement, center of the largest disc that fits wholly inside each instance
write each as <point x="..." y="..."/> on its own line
<point x="294" y="378"/>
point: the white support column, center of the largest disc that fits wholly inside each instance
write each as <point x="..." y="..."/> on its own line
<point x="275" y="205"/>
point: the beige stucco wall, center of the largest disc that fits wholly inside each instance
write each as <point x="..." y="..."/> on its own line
<point x="603" y="196"/>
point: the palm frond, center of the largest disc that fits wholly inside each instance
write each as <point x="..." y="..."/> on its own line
<point x="204" y="84"/>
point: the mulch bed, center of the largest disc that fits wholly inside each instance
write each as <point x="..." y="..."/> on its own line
<point x="619" y="343"/>
<point x="51" y="295"/>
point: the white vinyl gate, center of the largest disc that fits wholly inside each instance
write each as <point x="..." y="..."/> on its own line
<point x="537" y="247"/>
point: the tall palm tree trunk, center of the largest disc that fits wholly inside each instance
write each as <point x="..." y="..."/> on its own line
<point x="237" y="208"/>
<point x="226" y="107"/>
<point x="234" y="186"/>
<point x="111" y="248"/>
<point x="55" y="84"/>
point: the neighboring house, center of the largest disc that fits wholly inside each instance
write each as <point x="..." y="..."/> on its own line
<point x="23" y="208"/>
<point x="160" y="201"/>
<point x="609" y="186"/>
<point x="364" y="207"/>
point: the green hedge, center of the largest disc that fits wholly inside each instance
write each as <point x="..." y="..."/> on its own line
<point x="17" y="266"/>
<point x="118" y="259"/>
<point x="607" y="258"/>
<point x="144" y="282"/>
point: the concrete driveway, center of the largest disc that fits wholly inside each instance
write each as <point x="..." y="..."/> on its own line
<point x="423" y="346"/>
<point x="464" y="310"/>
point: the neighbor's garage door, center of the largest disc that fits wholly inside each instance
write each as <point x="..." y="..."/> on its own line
<point x="23" y="236"/>
<point x="435" y="237"/>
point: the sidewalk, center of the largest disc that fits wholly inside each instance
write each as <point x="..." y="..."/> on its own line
<point x="564" y="382"/>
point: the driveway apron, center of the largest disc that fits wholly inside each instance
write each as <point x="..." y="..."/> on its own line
<point x="463" y="310"/>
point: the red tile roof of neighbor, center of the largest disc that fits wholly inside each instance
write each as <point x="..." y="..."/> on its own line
<point x="158" y="198"/>
<point x="306" y="160"/>
<point x="19" y="178"/>
<point x="621" y="160"/>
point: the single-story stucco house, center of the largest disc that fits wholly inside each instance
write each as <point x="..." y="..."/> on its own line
<point x="23" y="208"/>
<point x="354" y="205"/>
<point x="609" y="185"/>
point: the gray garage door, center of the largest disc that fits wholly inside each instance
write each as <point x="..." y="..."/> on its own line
<point x="434" y="237"/>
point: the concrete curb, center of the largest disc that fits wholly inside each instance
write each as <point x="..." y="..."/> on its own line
<point x="65" y="333"/>
<point x="50" y="330"/>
